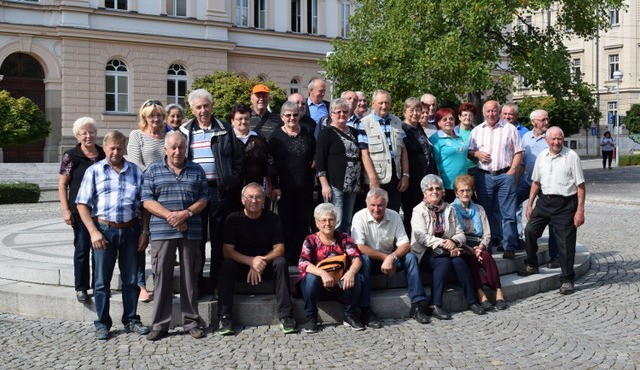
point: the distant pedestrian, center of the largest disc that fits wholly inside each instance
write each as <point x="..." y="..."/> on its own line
<point x="607" y="143"/>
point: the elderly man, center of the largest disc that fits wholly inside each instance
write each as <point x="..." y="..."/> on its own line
<point x="498" y="149"/>
<point x="558" y="183"/>
<point x="174" y="191"/>
<point x="510" y="114"/>
<point x="305" y="120"/>
<point x="253" y="251"/>
<point x="262" y="121"/>
<point x="534" y="142"/>
<point x="352" y="99"/>
<point x="362" y="107"/>
<point x="109" y="205"/>
<point x="385" y="248"/>
<point x="317" y="108"/>
<point x="210" y="143"/>
<point x="428" y="118"/>
<point x="384" y="156"/>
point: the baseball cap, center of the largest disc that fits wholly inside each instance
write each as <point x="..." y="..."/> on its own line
<point x="260" y="88"/>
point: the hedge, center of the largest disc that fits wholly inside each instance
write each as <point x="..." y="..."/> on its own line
<point x="19" y="193"/>
<point x="630" y="160"/>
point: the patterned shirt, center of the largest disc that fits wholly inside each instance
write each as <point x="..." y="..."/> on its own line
<point x="175" y="193"/>
<point x="385" y="126"/>
<point x="314" y="250"/>
<point x="112" y="196"/>
<point x="380" y="236"/>
<point x="202" y="152"/>
<point x="144" y="150"/>
<point x="501" y="141"/>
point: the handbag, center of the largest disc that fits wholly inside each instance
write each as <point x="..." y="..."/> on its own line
<point x="439" y="252"/>
<point x="335" y="266"/>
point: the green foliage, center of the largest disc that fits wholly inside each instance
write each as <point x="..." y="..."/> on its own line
<point x="632" y="119"/>
<point x="19" y="193"/>
<point x="228" y="89"/>
<point x="630" y="160"/>
<point x="21" y="121"/>
<point x="451" y="48"/>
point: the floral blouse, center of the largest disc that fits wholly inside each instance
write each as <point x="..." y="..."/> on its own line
<point x="314" y="250"/>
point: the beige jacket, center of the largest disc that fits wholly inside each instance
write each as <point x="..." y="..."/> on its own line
<point x="422" y="226"/>
<point x="379" y="150"/>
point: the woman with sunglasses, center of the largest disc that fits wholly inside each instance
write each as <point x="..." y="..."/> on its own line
<point x="293" y="148"/>
<point x="338" y="164"/>
<point x="146" y="146"/>
<point x="437" y="240"/>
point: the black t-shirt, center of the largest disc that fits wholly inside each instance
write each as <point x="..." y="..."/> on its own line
<point x="253" y="237"/>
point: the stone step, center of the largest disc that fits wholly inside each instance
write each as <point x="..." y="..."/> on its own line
<point x="43" y="174"/>
<point x="59" y="302"/>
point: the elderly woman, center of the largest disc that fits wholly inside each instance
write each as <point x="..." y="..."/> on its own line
<point x="437" y="240"/>
<point x="255" y="155"/>
<point x="466" y="115"/>
<point x="293" y="148"/>
<point x="338" y="164"/>
<point x="421" y="159"/>
<point x="327" y="242"/>
<point x="175" y="115"/>
<point x="475" y="226"/>
<point x="146" y="146"/>
<point x="74" y="163"/>
<point x="450" y="151"/>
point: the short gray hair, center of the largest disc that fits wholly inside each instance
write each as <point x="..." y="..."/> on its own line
<point x="361" y="95"/>
<point x="175" y="133"/>
<point x="323" y="209"/>
<point x="289" y="106"/>
<point x="199" y="94"/>
<point x="511" y="105"/>
<point x="84" y="121"/>
<point x="380" y="92"/>
<point x="537" y="113"/>
<point x="339" y="103"/>
<point x="312" y="83"/>
<point x="377" y="193"/>
<point x="252" y="185"/>
<point x="171" y="106"/>
<point x="430" y="179"/>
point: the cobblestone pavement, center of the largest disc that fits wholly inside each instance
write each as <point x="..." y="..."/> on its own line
<point x="595" y="328"/>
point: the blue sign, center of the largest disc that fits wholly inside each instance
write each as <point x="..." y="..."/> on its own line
<point x="594" y="131"/>
<point x="612" y="118"/>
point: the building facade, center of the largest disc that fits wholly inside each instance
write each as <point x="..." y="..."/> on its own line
<point x="595" y="62"/>
<point x="104" y="58"/>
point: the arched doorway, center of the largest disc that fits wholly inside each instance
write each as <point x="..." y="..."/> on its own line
<point x="23" y="76"/>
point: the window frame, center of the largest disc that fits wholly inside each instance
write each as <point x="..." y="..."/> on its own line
<point x="296" y="16"/>
<point x="118" y="72"/>
<point x="172" y="8"/>
<point x="116" y="5"/>
<point x="614" y="17"/>
<point x="613" y="65"/>
<point x="177" y="76"/>
<point x="242" y="13"/>
<point x="294" y="85"/>
<point x="576" y="68"/>
<point x="312" y="17"/>
<point x="345" y="26"/>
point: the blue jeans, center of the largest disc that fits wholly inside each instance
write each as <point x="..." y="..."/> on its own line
<point x="122" y="244"/>
<point x="81" y="254"/>
<point x="344" y="203"/>
<point x="312" y="290"/>
<point x="440" y="268"/>
<point x="499" y="192"/>
<point x="408" y="263"/>
<point x="523" y="194"/>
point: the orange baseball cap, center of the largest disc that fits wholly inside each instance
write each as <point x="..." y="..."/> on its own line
<point x="260" y="88"/>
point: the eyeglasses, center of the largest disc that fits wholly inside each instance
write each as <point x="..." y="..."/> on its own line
<point x="465" y="191"/>
<point x="253" y="197"/>
<point x="149" y="103"/>
<point x="289" y="115"/>
<point x="435" y="188"/>
<point x="338" y="112"/>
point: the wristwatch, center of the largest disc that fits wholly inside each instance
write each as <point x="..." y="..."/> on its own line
<point x="189" y="212"/>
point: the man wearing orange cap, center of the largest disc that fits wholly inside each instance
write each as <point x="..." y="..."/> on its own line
<point x="263" y="122"/>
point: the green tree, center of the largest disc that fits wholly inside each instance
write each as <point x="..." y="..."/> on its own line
<point x="21" y="121"/>
<point x="228" y="89"/>
<point x="632" y="119"/>
<point x="569" y="114"/>
<point x="452" y="48"/>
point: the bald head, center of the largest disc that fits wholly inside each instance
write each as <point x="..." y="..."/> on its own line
<point x="300" y="101"/>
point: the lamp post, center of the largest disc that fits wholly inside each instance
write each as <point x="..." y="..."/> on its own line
<point x="617" y="75"/>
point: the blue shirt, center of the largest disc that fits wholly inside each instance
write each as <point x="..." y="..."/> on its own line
<point x="532" y="147"/>
<point x="112" y="196"/>
<point x="521" y="129"/>
<point x="175" y="193"/>
<point x="317" y="111"/>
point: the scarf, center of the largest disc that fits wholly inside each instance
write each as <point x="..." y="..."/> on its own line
<point x="472" y="213"/>
<point x="437" y="213"/>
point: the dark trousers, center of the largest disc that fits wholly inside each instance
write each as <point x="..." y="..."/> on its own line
<point x="213" y="216"/>
<point x="391" y="187"/>
<point x="163" y="256"/>
<point x="410" y="198"/>
<point x="607" y="155"/>
<point x="81" y="254"/>
<point x="277" y="271"/>
<point x="312" y="291"/>
<point x="557" y="211"/>
<point x="294" y="208"/>
<point x="440" y="268"/>
<point x="485" y="272"/>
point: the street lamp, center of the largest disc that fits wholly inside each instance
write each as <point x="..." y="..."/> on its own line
<point x="617" y="75"/>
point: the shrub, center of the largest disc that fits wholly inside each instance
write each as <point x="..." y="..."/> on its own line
<point x="21" y="121"/>
<point x="19" y="193"/>
<point x="630" y="160"/>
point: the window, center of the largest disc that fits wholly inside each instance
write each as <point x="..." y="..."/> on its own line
<point x="576" y="68"/>
<point x="262" y="77"/>
<point x="346" y="12"/>
<point x="295" y="86"/>
<point x="524" y="25"/>
<point x="117" y="87"/>
<point x="242" y="13"/>
<point x="312" y="16"/>
<point x="296" y="16"/>
<point x="614" y="64"/>
<point x="614" y="17"/>
<point x="177" y="8"/>
<point x="176" y="84"/>
<point x="116" y="4"/>
<point x="612" y="111"/>
<point x="260" y="13"/>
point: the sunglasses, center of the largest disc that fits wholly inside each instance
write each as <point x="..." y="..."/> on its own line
<point x="436" y="188"/>
<point x="289" y="115"/>
<point x="149" y="103"/>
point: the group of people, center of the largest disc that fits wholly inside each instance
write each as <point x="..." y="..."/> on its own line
<point x="246" y="185"/>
